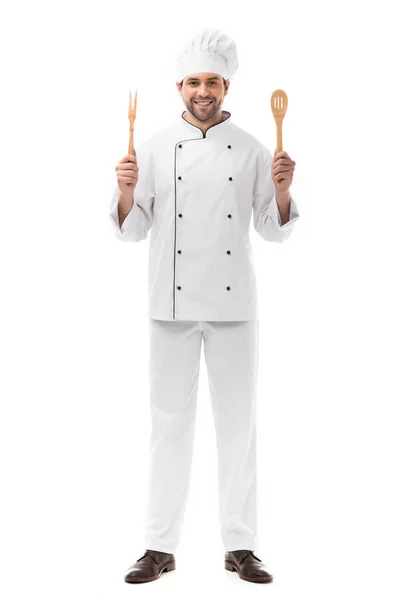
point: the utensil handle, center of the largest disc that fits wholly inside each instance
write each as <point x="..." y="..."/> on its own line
<point x="130" y="146"/>
<point x="279" y="145"/>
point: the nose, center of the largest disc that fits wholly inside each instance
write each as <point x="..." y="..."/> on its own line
<point x="202" y="90"/>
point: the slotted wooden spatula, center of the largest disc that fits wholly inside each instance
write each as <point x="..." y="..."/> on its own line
<point x="279" y="103"/>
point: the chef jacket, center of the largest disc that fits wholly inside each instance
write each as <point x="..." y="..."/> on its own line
<point x="196" y="192"/>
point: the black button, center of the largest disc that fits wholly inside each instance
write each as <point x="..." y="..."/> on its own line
<point x="228" y="288"/>
<point x="180" y="214"/>
<point x="230" y="178"/>
<point x="179" y="251"/>
<point x="179" y="287"/>
<point x="229" y="146"/>
<point x="180" y="145"/>
<point x="179" y="177"/>
<point x="230" y="216"/>
<point x="228" y="251"/>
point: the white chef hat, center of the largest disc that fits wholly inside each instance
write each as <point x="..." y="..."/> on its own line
<point x="209" y="51"/>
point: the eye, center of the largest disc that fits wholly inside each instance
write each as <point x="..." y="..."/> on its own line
<point x="195" y="82"/>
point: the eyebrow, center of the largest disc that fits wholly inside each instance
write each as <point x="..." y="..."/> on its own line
<point x="196" y="79"/>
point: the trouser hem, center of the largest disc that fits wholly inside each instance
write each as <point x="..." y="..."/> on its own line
<point x="160" y="547"/>
<point x="240" y="543"/>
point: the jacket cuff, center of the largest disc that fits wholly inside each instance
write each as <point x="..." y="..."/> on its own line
<point x="130" y="218"/>
<point x="293" y="214"/>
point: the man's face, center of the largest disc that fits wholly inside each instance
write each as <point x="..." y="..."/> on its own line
<point x="207" y="87"/>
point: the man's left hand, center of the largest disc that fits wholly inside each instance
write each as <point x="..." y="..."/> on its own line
<point x="282" y="169"/>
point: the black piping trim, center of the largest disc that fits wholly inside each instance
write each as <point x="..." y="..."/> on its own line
<point x="173" y="284"/>
<point x="211" y="126"/>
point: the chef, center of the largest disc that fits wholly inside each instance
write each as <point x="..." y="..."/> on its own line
<point x="195" y="185"/>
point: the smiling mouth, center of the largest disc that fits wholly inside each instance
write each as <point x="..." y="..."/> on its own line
<point x="204" y="105"/>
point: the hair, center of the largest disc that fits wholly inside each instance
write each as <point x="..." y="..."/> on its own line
<point x="222" y="78"/>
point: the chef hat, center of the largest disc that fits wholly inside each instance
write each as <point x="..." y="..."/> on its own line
<point x="208" y="52"/>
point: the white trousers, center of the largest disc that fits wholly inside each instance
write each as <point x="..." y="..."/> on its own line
<point x="231" y="356"/>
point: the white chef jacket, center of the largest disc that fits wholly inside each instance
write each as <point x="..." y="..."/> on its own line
<point x="196" y="193"/>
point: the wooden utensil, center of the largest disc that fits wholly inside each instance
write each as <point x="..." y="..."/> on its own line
<point x="131" y="117"/>
<point x="279" y="103"/>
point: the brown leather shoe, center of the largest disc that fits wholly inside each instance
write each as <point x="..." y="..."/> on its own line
<point x="248" y="566"/>
<point x="150" y="566"/>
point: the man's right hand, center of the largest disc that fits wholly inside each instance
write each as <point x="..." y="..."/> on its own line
<point x="127" y="174"/>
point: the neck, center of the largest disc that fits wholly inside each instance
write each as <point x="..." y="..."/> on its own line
<point x="203" y="125"/>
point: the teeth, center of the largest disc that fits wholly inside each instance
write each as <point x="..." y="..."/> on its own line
<point x="204" y="103"/>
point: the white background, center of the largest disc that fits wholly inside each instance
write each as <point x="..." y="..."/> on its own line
<point x="74" y="383"/>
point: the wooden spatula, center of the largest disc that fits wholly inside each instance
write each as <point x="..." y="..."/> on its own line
<point x="279" y="103"/>
<point x="131" y="117"/>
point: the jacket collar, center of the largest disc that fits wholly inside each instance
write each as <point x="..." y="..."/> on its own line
<point x="214" y="130"/>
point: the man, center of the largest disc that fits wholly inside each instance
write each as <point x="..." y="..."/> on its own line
<point x="195" y="185"/>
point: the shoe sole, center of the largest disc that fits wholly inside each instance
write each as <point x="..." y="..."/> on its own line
<point x="264" y="579"/>
<point x="170" y="566"/>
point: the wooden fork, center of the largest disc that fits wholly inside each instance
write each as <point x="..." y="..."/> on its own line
<point x="131" y="117"/>
<point x="279" y="103"/>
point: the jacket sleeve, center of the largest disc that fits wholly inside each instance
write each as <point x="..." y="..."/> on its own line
<point x="266" y="215"/>
<point x="140" y="218"/>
